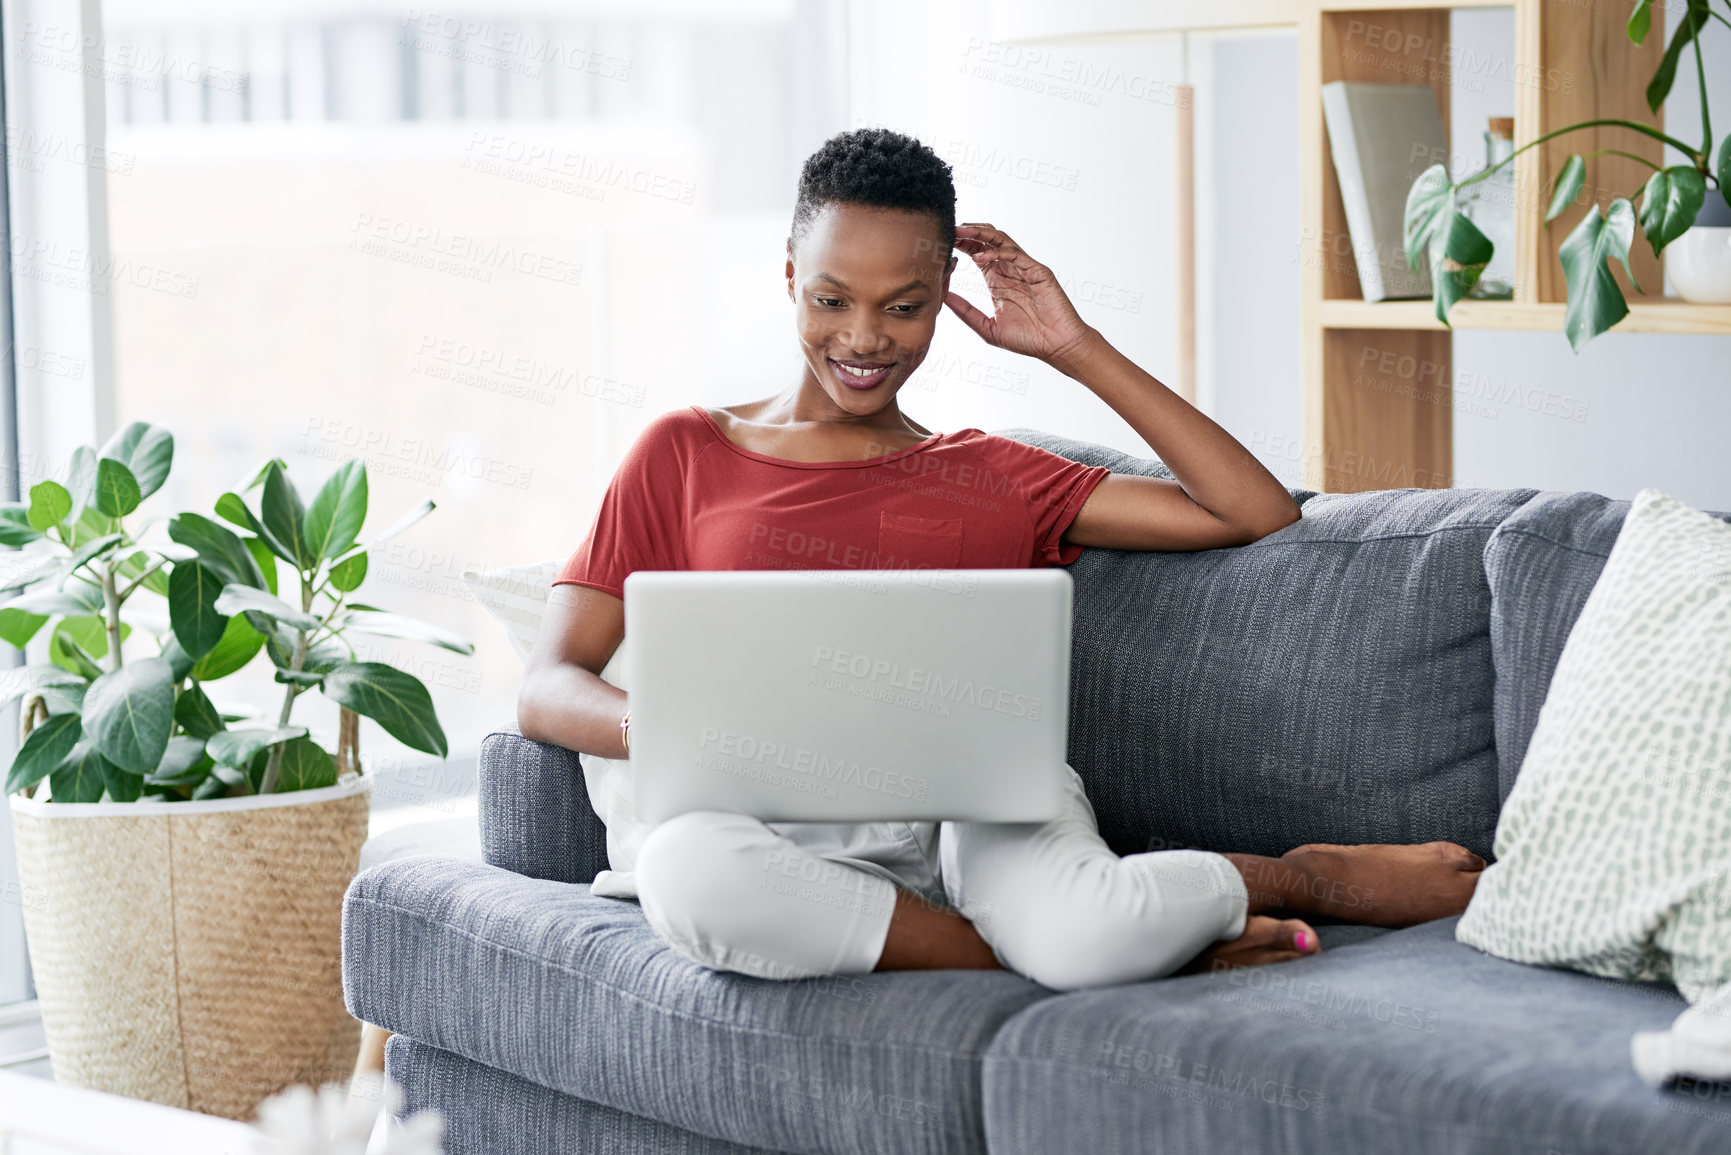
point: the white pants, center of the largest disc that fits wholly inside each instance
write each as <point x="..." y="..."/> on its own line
<point x="1051" y="899"/>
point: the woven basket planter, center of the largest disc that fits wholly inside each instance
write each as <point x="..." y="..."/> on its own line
<point x="190" y="953"/>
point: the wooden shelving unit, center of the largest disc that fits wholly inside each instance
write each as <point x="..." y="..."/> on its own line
<point x="1378" y="400"/>
<point x="1378" y="403"/>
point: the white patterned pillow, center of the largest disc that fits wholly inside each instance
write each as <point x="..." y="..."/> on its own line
<point x="1614" y="848"/>
<point x="516" y="596"/>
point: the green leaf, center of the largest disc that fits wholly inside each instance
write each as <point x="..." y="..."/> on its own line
<point x="18" y="626"/>
<point x="263" y="472"/>
<point x="116" y="489"/>
<point x="81" y="478"/>
<point x="130" y="713"/>
<point x="65" y="699"/>
<point x="396" y="626"/>
<point x="240" y="509"/>
<point x="395" y="700"/>
<point x="21" y="680"/>
<point x="93" y="548"/>
<point x="236" y="747"/>
<point x="233" y="510"/>
<point x="195" y="714"/>
<point x="1568" y="187"/>
<point x="349" y="573"/>
<point x="1458" y="255"/>
<point x="285" y="517"/>
<point x="236" y="599"/>
<point x="146" y="450"/>
<point x="179" y="662"/>
<point x="193" y="589"/>
<point x="1640" y="21"/>
<point x="239" y="644"/>
<point x="92" y="523"/>
<point x="49" y="602"/>
<point x="83" y="638"/>
<point x="298" y="677"/>
<point x="1693" y="20"/>
<point x="50" y="504"/>
<point x="82" y="777"/>
<point x="35" y="567"/>
<point x="1429" y="204"/>
<point x="425" y="507"/>
<point x="15" y="527"/>
<point x="335" y="516"/>
<point x="122" y="787"/>
<point x="219" y="548"/>
<point x="1669" y="203"/>
<point x="1595" y="301"/>
<point x="1724" y="172"/>
<point x="266" y="560"/>
<point x="191" y="778"/>
<point x="219" y="784"/>
<point x="45" y="748"/>
<point x="305" y="766"/>
<point x="184" y="753"/>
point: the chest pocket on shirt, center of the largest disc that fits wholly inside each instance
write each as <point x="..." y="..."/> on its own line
<point x="906" y="542"/>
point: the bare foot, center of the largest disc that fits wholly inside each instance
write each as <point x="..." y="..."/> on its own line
<point x="1265" y="940"/>
<point x="1384" y="885"/>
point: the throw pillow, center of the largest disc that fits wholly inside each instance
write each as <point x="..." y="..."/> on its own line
<point x="516" y="596"/>
<point x="1614" y="847"/>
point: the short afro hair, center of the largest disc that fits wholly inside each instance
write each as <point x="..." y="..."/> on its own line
<point x="881" y="169"/>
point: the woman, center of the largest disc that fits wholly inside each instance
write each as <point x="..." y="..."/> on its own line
<point x="832" y="459"/>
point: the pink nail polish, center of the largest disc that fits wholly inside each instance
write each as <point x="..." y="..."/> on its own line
<point x="1302" y="941"/>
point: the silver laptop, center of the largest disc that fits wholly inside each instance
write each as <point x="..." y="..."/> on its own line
<point x="849" y="695"/>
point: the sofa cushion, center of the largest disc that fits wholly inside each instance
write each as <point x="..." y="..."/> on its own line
<point x="1542" y="563"/>
<point x="576" y="993"/>
<point x="1409" y="1042"/>
<point x="490" y="1112"/>
<point x="1329" y="683"/>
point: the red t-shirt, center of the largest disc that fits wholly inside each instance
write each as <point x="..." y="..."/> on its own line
<point x="687" y="498"/>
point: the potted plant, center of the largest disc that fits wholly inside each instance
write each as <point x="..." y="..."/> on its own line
<point x="182" y="872"/>
<point x="1672" y="200"/>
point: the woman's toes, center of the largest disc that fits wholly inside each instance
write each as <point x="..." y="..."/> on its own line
<point x="1297" y="935"/>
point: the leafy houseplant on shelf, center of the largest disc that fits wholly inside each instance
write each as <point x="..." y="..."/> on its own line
<point x="182" y="877"/>
<point x="1671" y="202"/>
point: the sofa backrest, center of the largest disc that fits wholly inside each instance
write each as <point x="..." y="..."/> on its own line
<point x="1332" y="682"/>
<point x="1541" y="563"/>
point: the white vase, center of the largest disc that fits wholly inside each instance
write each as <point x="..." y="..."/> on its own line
<point x="1699" y="264"/>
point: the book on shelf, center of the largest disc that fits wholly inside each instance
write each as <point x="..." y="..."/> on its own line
<point x="1382" y="137"/>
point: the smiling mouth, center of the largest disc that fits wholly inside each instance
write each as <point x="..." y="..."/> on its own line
<point x="861" y="374"/>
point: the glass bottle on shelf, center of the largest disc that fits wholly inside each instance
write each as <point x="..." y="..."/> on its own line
<point x="1490" y="204"/>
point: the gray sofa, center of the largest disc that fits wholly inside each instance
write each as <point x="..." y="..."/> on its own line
<point x="1370" y="674"/>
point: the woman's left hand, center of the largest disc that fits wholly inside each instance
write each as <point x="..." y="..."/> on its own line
<point x="1030" y="313"/>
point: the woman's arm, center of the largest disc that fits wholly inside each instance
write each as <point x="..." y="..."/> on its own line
<point x="563" y="699"/>
<point x="1222" y="496"/>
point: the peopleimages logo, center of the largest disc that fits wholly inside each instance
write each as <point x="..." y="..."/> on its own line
<point x="916" y="680"/>
<point x="742" y="748"/>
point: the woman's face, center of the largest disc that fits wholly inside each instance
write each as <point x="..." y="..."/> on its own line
<point x="867" y="285"/>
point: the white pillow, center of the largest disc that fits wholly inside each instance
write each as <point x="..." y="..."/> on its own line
<point x="516" y="596"/>
<point x="1614" y="847"/>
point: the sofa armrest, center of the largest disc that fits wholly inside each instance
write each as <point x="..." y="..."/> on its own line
<point x="534" y="807"/>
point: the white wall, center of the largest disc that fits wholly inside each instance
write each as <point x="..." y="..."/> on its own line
<point x="1066" y="148"/>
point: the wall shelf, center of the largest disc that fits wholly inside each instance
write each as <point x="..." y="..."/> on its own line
<point x="1667" y="315"/>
